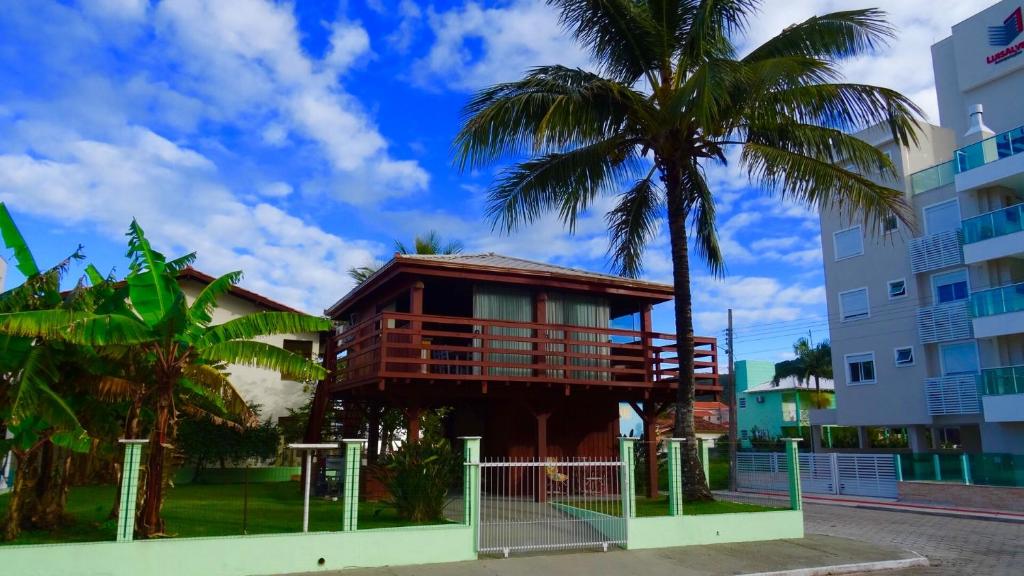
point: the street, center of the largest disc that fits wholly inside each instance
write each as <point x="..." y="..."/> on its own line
<point x="953" y="545"/>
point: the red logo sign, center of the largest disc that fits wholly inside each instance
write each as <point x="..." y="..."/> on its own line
<point x="1006" y="35"/>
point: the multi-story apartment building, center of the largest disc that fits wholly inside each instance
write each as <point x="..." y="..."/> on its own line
<point x="927" y="324"/>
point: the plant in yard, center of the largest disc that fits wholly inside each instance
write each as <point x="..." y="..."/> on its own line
<point x="179" y="352"/>
<point x="672" y="98"/>
<point x="36" y="375"/>
<point x="810" y="362"/>
<point x="202" y="441"/>
<point x="418" y="476"/>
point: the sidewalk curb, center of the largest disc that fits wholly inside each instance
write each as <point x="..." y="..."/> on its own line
<point x="856" y="568"/>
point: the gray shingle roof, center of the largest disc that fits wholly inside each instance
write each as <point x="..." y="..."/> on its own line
<point x="493" y="260"/>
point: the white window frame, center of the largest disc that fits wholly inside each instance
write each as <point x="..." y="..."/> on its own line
<point x="867" y="297"/>
<point x="888" y="289"/>
<point x="924" y="213"/>
<point x="935" y="288"/>
<point x="896" y="356"/>
<point x="835" y="247"/>
<point x="846" y="366"/>
<point x="977" y="356"/>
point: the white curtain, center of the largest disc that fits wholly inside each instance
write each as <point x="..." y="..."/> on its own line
<point x="583" y="311"/>
<point x="511" y="304"/>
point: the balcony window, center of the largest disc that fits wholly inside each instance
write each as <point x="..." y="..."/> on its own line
<point x="942" y="217"/>
<point x="959" y="359"/>
<point x="848" y="243"/>
<point x="905" y="356"/>
<point x="860" y="368"/>
<point x="998" y="300"/>
<point x="897" y="288"/>
<point x="853" y="304"/>
<point x="950" y="286"/>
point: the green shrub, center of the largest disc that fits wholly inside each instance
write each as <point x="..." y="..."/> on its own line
<point x="418" y="476"/>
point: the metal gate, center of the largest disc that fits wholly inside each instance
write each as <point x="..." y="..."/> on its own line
<point x="820" y="473"/>
<point x="550" y="505"/>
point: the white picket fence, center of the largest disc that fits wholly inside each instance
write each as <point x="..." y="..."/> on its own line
<point x="820" y="473"/>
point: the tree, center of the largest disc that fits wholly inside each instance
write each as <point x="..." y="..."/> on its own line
<point x="431" y="243"/>
<point x="670" y="99"/>
<point x="810" y="362"/>
<point x="180" y="351"/>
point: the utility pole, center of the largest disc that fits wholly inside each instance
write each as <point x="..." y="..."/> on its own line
<point x="733" y="424"/>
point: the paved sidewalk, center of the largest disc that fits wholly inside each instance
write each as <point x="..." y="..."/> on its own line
<point x="815" y="551"/>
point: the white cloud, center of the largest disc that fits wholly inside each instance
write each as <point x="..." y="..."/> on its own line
<point x="753" y="299"/>
<point x="178" y="198"/>
<point x="476" y="46"/>
<point x="349" y="42"/>
<point x="411" y="18"/>
<point x="276" y="189"/>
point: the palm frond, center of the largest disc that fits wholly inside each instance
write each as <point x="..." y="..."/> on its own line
<point x="218" y="387"/>
<point x="262" y="355"/>
<point x="33" y="397"/>
<point x="632" y="224"/>
<point x="196" y="412"/>
<point x="709" y="27"/>
<point x="565" y="181"/>
<point x="114" y="389"/>
<point x="832" y="37"/>
<point x="620" y="35"/>
<point x="361" y="273"/>
<point x="182" y="262"/>
<point x="201" y="310"/>
<point x="75" y="327"/>
<point x="264" y="324"/>
<point x="153" y="289"/>
<point x="551" y="109"/>
<point x="703" y="220"/>
<point x="820" y="184"/>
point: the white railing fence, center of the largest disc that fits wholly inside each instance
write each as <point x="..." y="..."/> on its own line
<point x="820" y="473"/>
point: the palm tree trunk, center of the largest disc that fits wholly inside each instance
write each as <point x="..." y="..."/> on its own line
<point x="695" y="485"/>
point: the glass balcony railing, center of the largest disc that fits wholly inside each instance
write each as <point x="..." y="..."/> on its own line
<point x="932" y="178"/>
<point x="1003" y="380"/>
<point x="998" y="300"/>
<point x="969" y="157"/>
<point x="989" y="150"/>
<point x="996" y="223"/>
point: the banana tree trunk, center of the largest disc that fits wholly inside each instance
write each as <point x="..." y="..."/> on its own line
<point x="150" y="522"/>
<point x="695" y="485"/>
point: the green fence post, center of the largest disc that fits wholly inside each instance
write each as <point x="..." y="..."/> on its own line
<point x="705" y="458"/>
<point x="793" y="470"/>
<point x="129" y="488"/>
<point x="471" y="485"/>
<point x="675" y="477"/>
<point x="897" y="463"/>
<point x="965" y="468"/>
<point x="353" y="462"/>
<point x="627" y="457"/>
<point x="938" y="467"/>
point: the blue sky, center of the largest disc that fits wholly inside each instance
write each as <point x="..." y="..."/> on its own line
<point x="295" y="140"/>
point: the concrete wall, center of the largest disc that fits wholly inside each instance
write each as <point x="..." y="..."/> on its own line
<point x="246" y="555"/>
<point x="962" y="495"/>
<point x="267" y="388"/>
<point x="668" y="531"/>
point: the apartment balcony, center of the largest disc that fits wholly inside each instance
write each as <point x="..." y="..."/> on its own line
<point x="998" y="311"/>
<point x="1003" y="393"/>
<point x="944" y="322"/>
<point x="996" y="234"/>
<point x="936" y="251"/>
<point x="976" y="165"/>
<point x="952" y="395"/>
<point x="423" y="349"/>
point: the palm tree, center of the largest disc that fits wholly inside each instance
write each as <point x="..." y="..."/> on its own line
<point x="182" y="352"/>
<point x="431" y="243"/>
<point x="810" y="362"/>
<point x="670" y="99"/>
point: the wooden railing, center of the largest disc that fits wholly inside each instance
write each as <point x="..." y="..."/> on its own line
<point x="394" y="345"/>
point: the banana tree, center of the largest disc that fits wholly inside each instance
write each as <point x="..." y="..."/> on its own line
<point x="32" y="405"/>
<point x="182" y="351"/>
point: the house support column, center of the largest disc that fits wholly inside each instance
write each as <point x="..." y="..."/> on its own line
<point x="648" y="413"/>
<point x="646" y="343"/>
<point x="918" y="438"/>
<point x="416" y="309"/>
<point x="542" y="455"/>
<point x="412" y="423"/>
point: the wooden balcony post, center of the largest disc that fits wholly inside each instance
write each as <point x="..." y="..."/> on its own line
<point x="542" y="455"/>
<point x="416" y="325"/>
<point x="646" y="342"/>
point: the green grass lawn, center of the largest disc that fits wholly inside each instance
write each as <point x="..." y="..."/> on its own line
<point x="659" y="507"/>
<point x="211" y="510"/>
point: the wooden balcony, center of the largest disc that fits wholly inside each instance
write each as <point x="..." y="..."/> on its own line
<point x="407" y="348"/>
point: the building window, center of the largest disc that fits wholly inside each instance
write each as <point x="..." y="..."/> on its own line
<point x="860" y="368"/>
<point x="848" y="243"/>
<point x="890" y="223"/>
<point x="959" y="359"/>
<point x="950" y="286"/>
<point x="942" y="217"/>
<point x="303" y="348"/>
<point x="853" y="304"/>
<point x="743" y="402"/>
<point x="905" y="356"/>
<point x="897" y="288"/>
